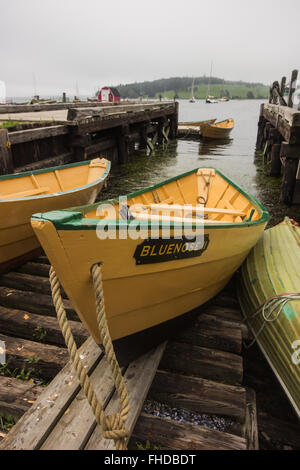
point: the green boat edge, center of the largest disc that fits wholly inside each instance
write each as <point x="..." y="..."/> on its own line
<point x="49" y="170"/>
<point x="72" y="219"/>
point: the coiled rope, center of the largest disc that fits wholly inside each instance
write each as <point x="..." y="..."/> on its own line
<point x="273" y="304"/>
<point x="113" y="426"/>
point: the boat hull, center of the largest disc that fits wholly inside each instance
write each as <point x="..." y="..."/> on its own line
<point x="138" y="297"/>
<point x="18" y="242"/>
<point x="217" y="130"/>
<point x="272" y="268"/>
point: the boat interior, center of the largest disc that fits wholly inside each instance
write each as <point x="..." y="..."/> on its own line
<point x="203" y="194"/>
<point x="228" y="123"/>
<point x="53" y="180"/>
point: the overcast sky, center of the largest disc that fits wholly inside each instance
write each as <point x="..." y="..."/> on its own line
<point x="56" y="43"/>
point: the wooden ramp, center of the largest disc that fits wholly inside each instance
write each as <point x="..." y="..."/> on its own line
<point x="61" y="417"/>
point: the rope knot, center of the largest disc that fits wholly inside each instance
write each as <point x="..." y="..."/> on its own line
<point x="113" y="427"/>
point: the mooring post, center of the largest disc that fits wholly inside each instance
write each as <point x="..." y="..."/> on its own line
<point x="283" y="85"/>
<point x="292" y="88"/>
<point x="289" y="180"/>
<point x="6" y="161"/>
<point x="143" y="135"/>
<point x="174" y="122"/>
<point x="122" y="133"/>
<point x="275" y="169"/>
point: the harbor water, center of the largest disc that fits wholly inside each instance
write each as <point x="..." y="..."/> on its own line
<point x="235" y="157"/>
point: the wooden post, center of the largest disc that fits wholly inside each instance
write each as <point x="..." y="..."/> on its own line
<point x="292" y="88"/>
<point x="289" y="181"/>
<point x="275" y="160"/>
<point x="260" y="133"/>
<point x="122" y="133"/>
<point x="174" y="122"/>
<point x="6" y="161"/>
<point x="283" y="85"/>
<point x="143" y="136"/>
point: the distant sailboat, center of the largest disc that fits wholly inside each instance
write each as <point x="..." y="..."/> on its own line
<point x="210" y="99"/>
<point x="192" y="100"/>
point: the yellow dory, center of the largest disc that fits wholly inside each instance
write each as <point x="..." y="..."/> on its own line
<point x="149" y="279"/>
<point x="23" y="194"/>
<point x="217" y="130"/>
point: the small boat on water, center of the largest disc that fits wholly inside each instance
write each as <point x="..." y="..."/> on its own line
<point x="217" y="130"/>
<point x="270" y="277"/>
<point x="192" y="128"/>
<point x="211" y="100"/>
<point x="152" y="271"/>
<point x="23" y="194"/>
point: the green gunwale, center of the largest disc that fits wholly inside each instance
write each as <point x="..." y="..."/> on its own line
<point x="72" y="219"/>
<point x="49" y="170"/>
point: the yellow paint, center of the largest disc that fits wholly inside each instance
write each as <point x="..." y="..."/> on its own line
<point x="219" y="130"/>
<point x="140" y="296"/>
<point x="20" y="197"/>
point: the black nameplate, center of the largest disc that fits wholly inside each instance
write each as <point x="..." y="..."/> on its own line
<point x="160" y="251"/>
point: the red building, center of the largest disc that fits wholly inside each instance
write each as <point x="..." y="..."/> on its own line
<point x="108" y="95"/>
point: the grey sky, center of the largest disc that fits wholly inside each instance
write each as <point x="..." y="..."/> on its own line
<point x="96" y="43"/>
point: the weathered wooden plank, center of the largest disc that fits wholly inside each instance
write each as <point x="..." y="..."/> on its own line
<point x="169" y="434"/>
<point x="38" y="328"/>
<point x="35" y="269"/>
<point x="37" y="423"/>
<point x="199" y="395"/>
<point x="76" y="425"/>
<point x="29" y="108"/>
<point x="6" y="161"/>
<point x="251" y="430"/>
<point x="28" y="135"/>
<point x="44" y="360"/>
<point x="61" y="159"/>
<point x="232" y="317"/>
<point x="41" y="304"/>
<point x="82" y="113"/>
<point x="26" y="282"/>
<point x="17" y="396"/>
<point x="138" y="379"/>
<point x="211" y="332"/>
<point x="203" y="362"/>
<point x="289" y="181"/>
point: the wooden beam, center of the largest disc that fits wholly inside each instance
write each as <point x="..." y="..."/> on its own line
<point x="62" y="159"/>
<point x="17" y="396"/>
<point x="19" y="137"/>
<point x="204" y="362"/>
<point x="199" y="395"/>
<point x="44" y="361"/>
<point x="6" y="161"/>
<point x="34" y="427"/>
<point x="37" y="328"/>
<point x="170" y="434"/>
<point x="275" y="169"/>
<point x="251" y="429"/>
<point x="289" y="181"/>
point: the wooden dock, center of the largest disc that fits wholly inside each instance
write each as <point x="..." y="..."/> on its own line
<point x="51" y="136"/>
<point x="278" y="139"/>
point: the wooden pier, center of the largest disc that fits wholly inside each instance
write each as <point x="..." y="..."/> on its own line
<point x="51" y="136"/>
<point x="279" y="139"/>
<point x="200" y="370"/>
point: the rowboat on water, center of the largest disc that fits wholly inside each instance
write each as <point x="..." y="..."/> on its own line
<point x="23" y="194"/>
<point x="152" y="272"/>
<point x="272" y="272"/>
<point x="217" y="130"/>
<point x="192" y="128"/>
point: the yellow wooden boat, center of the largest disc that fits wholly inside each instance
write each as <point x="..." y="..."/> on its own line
<point x="149" y="279"/>
<point x="217" y="130"/>
<point x="273" y="269"/>
<point x="23" y="194"/>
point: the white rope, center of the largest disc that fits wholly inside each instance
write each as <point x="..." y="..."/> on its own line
<point x="274" y="304"/>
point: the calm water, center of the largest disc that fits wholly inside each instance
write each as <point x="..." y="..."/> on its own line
<point x="233" y="157"/>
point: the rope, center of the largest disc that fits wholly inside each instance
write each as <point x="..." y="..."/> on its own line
<point x="113" y="426"/>
<point x="273" y="304"/>
<point x="202" y="199"/>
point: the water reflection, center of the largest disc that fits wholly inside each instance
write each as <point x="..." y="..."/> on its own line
<point x="214" y="147"/>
